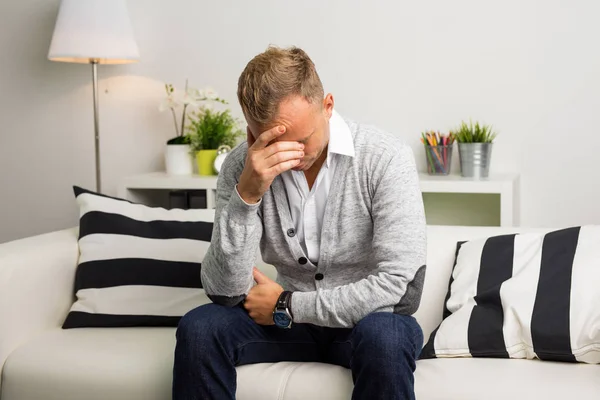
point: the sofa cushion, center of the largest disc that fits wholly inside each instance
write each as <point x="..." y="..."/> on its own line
<point x="502" y="379"/>
<point x="93" y="364"/>
<point x="441" y="250"/>
<point x="529" y="295"/>
<point x="137" y="364"/>
<point x="138" y="265"/>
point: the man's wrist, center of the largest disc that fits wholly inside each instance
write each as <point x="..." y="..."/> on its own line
<point x="246" y="199"/>
<point x="250" y="200"/>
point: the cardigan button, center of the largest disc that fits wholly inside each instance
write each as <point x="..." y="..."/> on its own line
<point x="291" y="232"/>
<point x="319" y="276"/>
<point x="302" y="260"/>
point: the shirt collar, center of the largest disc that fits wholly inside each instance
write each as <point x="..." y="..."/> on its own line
<point x="340" y="137"/>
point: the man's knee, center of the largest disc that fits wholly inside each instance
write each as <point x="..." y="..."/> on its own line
<point x="387" y="333"/>
<point x="206" y="322"/>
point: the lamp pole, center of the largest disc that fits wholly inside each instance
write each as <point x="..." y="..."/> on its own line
<point x="94" y="63"/>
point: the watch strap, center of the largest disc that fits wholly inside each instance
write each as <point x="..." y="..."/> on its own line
<point x="284" y="301"/>
<point x="289" y="304"/>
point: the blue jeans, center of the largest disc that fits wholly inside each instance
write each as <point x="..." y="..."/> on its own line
<point x="212" y="340"/>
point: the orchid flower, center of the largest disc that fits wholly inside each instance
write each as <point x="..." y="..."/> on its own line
<point x="191" y="97"/>
<point x="168" y="102"/>
<point x="210" y="94"/>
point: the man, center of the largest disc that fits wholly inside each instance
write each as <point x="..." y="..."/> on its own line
<point x="335" y="206"/>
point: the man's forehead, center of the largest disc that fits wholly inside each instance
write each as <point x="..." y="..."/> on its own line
<point x="297" y="115"/>
<point x="293" y="132"/>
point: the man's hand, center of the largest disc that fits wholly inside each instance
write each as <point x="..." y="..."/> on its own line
<point x="265" y="161"/>
<point x="262" y="298"/>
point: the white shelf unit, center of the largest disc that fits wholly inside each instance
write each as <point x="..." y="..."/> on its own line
<point x="142" y="188"/>
<point x="506" y="186"/>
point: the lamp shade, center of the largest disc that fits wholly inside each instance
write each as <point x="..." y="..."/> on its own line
<point x="93" y="30"/>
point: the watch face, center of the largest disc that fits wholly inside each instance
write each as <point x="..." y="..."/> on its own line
<point x="281" y="319"/>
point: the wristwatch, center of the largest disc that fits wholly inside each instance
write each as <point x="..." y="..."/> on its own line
<point x="282" y="314"/>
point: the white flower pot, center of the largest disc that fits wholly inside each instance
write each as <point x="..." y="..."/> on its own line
<point x="178" y="159"/>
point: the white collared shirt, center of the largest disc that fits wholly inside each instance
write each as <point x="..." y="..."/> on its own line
<point x="307" y="207"/>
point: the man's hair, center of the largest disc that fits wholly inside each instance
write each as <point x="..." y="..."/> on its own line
<point x="274" y="75"/>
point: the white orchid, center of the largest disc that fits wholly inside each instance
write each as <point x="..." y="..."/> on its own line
<point x="189" y="97"/>
<point x="167" y="103"/>
<point x="210" y="93"/>
<point x="199" y="94"/>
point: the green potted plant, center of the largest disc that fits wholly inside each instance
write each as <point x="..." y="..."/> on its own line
<point x="208" y="131"/>
<point x="178" y="154"/>
<point x="474" y="148"/>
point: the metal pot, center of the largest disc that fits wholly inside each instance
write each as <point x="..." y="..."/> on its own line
<point x="475" y="159"/>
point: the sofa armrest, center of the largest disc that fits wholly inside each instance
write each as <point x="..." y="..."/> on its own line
<point x="36" y="286"/>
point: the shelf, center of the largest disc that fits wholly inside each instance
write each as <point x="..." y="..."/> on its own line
<point x="457" y="184"/>
<point x="136" y="188"/>
<point x="162" y="180"/>
<point x="429" y="183"/>
<point x="505" y="186"/>
<point x="140" y="188"/>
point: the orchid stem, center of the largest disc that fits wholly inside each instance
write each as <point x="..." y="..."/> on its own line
<point x="184" y="108"/>
<point x="183" y="119"/>
<point x="175" y="121"/>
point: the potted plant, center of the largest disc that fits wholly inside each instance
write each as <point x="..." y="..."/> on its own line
<point x="474" y="148"/>
<point x="178" y="154"/>
<point x="208" y="131"/>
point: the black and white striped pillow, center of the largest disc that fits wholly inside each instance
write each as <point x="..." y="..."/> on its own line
<point x="138" y="265"/>
<point x="529" y="295"/>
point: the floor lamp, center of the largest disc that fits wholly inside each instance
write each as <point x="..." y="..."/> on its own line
<point x="94" y="32"/>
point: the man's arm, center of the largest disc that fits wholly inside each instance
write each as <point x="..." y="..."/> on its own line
<point x="226" y="271"/>
<point x="399" y="248"/>
<point x="227" y="267"/>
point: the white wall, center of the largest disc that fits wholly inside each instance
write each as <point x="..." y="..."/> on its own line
<point x="531" y="68"/>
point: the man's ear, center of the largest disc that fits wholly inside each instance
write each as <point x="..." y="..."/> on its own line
<point x="328" y="105"/>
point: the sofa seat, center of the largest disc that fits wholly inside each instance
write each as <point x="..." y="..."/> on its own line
<point x="502" y="379"/>
<point x="137" y="363"/>
<point x="93" y="364"/>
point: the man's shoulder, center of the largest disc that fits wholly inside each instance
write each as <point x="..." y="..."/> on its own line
<point x="371" y="140"/>
<point x="235" y="160"/>
<point x="239" y="152"/>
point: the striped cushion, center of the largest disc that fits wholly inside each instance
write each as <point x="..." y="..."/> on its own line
<point x="138" y="265"/>
<point x="533" y="295"/>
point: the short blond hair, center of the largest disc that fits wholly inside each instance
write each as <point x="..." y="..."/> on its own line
<point x="271" y="77"/>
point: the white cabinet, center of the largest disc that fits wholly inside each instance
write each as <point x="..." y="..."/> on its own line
<point x="449" y="200"/>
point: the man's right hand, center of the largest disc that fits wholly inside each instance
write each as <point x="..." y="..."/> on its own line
<point x="266" y="160"/>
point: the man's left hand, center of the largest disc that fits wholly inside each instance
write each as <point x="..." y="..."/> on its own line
<point x="262" y="298"/>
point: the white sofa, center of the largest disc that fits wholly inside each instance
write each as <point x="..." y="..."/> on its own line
<point x="42" y="361"/>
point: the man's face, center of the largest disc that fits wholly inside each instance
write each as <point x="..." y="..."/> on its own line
<point x="306" y="123"/>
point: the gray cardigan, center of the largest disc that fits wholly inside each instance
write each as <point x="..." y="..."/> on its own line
<point x="373" y="239"/>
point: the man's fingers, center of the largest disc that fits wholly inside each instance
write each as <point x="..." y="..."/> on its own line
<point x="259" y="277"/>
<point x="283" y="156"/>
<point x="267" y="136"/>
<point x="282" y="146"/>
<point x="280" y="168"/>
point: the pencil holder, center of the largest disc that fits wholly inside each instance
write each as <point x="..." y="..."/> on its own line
<point x="439" y="159"/>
